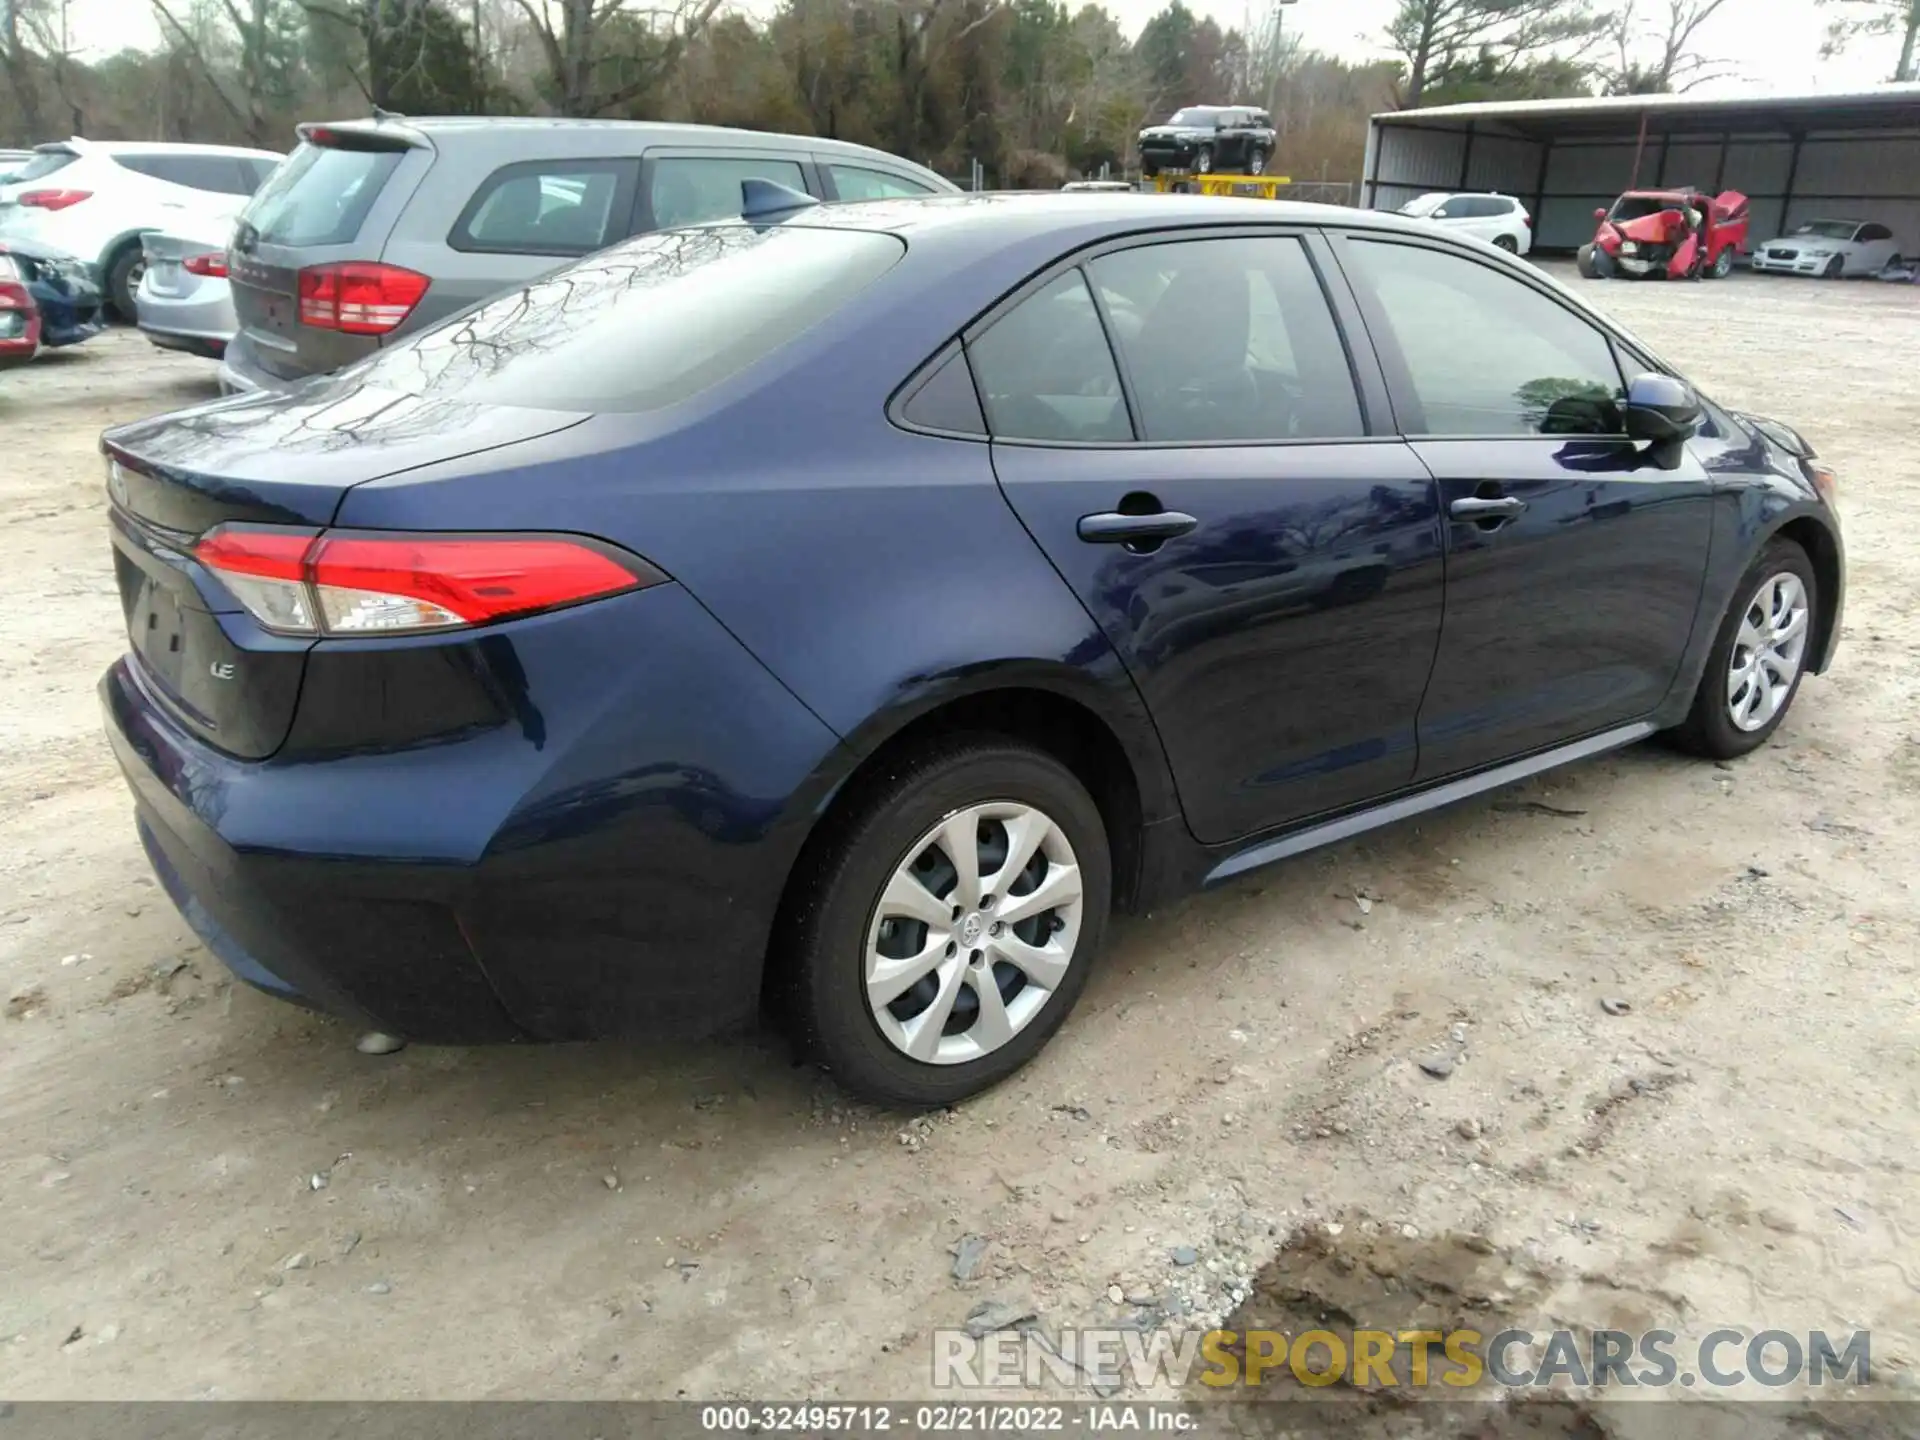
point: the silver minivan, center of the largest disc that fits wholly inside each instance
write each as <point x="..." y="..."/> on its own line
<point x="374" y="229"/>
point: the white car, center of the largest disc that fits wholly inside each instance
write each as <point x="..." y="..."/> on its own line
<point x="1498" y="219"/>
<point x="1831" y="249"/>
<point x="95" y="200"/>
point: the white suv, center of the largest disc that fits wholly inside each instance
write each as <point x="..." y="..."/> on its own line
<point x="95" y="199"/>
<point x="1498" y="219"/>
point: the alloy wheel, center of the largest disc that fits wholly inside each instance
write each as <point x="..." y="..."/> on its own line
<point x="974" y="932"/>
<point x="1767" y="651"/>
<point x="1203" y="162"/>
<point x="1257" y="163"/>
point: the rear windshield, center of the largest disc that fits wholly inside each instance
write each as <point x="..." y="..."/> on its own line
<point x="643" y="325"/>
<point x="320" y="196"/>
<point x="43" y="164"/>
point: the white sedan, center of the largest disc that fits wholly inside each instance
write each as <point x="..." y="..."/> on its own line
<point x="1830" y="248"/>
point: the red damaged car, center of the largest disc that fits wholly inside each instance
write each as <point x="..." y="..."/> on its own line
<point x="1667" y="235"/>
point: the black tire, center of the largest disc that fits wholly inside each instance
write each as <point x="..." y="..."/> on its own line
<point x="1203" y="160"/>
<point x="842" y="878"/>
<point x="1583" y="262"/>
<point x="1708" y="729"/>
<point x="123" y="278"/>
<point x="1722" y="265"/>
<point x="1836" y="268"/>
<point x="1149" y="171"/>
<point x="1507" y="243"/>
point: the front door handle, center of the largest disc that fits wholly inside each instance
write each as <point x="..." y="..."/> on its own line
<point x="1486" y="507"/>
<point x="1114" y="528"/>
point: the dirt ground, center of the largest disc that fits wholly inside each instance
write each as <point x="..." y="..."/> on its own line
<point x="207" y="1194"/>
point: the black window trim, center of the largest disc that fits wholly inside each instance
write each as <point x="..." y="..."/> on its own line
<point x="1363" y="367"/>
<point x="1402" y="396"/>
<point x="643" y="221"/>
<point x="626" y="179"/>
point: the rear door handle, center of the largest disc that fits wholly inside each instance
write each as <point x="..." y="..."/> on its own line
<point x="1114" y="528"/>
<point x="1486" y="507"/>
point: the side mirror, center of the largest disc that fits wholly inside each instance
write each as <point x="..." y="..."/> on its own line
<point x="1661" y="409"/>
<point x="1601" y="213"/>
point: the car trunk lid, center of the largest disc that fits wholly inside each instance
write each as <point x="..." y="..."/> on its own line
<point x="334" y="200"/>
<point x="173" y="479"/>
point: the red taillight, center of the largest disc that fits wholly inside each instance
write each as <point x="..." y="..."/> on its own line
<point x="1526" y="220"/>
<point x="359" y="297"/>
<point x="19" y="320"/>
<point x="52" y="199"/>
<point x="357" y="583"/>
<point x="214" y="264"/>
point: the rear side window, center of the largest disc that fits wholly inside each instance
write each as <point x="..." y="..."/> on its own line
<point x="855" y="182"/>
<point x="42" y="164"/>
<point x="693" y="189"/>
<point x="643" y="325"/>
<point x="320" y="195"/>
<point x="1228" y="340"/>
<point x="549" y="207"/>
<point x="1045" y="372"/>
<point x="1874" y="232"/>
<point x="1486" y="354"/>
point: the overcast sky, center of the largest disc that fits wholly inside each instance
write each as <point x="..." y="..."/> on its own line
<point x="1772" y="44"/>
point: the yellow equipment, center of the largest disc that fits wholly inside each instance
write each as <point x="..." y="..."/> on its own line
<point x="1253" y="187"/>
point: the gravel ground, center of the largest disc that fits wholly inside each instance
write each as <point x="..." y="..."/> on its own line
<point x="211" y="1195"/>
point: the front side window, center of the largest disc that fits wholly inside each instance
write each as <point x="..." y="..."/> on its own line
<point x="1228" y="339"/>
<point x="855" y="182"/>
<point x="1044" y="370"/>
<point x="558" y="207"/>
<point x="642" y="325"/>
<point x="1485" y="353"/>
<point x="693" y="189"/>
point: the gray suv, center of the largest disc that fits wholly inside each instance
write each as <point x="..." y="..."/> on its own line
<point x="374" y="229"/>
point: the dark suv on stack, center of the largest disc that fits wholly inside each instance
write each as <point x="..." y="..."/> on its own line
<point x="1205" y="138"/>
<point x="374" y="229"/>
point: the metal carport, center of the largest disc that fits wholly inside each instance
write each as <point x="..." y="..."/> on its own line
<point x="1796" y="157"/>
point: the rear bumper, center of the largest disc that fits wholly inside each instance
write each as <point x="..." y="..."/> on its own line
<point x="207" y="347"/>
<point x="605" y="862"/>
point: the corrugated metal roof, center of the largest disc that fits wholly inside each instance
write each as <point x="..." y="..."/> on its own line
<point x="1845" y="105"/>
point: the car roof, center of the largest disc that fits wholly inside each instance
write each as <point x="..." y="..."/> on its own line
<point x="78" y="146"/>
<point x="1013" y="215"/>
<point x="434" y="127"/>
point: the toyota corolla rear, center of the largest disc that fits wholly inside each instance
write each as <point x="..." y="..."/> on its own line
<point x="405" y="756"/>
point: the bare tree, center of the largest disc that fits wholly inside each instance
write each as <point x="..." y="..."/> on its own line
<point x="1435" y="36"/>
<point x="602" y="54"/>
<point x="254" y="34"/>
<point x="18" y="63"/>
<point x="1864" y="18"/>
<point x="1674" y="63"/>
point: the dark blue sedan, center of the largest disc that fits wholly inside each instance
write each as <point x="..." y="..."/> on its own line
<point x="857" y="606"/>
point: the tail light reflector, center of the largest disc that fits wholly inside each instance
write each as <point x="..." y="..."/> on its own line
<point x="348" y="582"/>
<point x="52" y="199"/>
<point x="214" y="264"/>
<point x="359" y="297"/>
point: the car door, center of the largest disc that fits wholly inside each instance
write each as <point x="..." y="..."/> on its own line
<point x="1875" y="244"/>
<point x="1574" y="560"/>
<point x="1266" y="563"/>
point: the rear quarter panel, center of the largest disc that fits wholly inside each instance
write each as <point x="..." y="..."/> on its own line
<point x="875" y="572"/>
